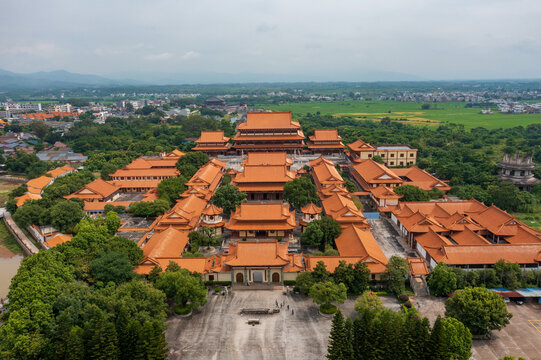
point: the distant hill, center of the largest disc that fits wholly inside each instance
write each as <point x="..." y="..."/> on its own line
<point x="52" y="79"/>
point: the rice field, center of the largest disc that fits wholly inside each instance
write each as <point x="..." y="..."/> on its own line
<point x="411" y="113"/>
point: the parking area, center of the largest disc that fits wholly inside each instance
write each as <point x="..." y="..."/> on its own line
<point x="522" y="337"/>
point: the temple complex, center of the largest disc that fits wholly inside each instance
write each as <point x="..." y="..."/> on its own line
<point x="269" y="131"/>
<point x="212" y="143"/>
<point x="326" y="142"/>
<point x="264" y="176"/>
<point x="262" y="221"/>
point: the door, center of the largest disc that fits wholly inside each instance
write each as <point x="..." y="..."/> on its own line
<point x="240" y="278"/>
<point x="258" y="276"/>
<point x="275" y="278"/>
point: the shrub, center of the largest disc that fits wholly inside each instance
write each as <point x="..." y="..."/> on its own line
<point x="217" y="289"/>
<point x="289" y="282"/>
<point x="408" y="304"/>
<point x="328" y="308"/>
<point x="182" y="310"/>
<point x="404" y="297"/>
<point x="219" y="283"/>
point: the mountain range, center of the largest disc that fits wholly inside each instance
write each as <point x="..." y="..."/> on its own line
<point x="61" y="79"/>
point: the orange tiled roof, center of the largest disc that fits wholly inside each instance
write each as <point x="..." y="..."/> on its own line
<point x="132" y="184"/>
<point x="167" y="243"/>
<point x="343" y="210"/>
<point x="185" y="214"/>
<point x="146" y="173"/>
<point x="212" y="137"/>
<point x="420" y="178"/>
<point x="100" y="205"/>
<point x="359" y="145"/>
<point x="60" y="171"/>
<point x="311" y="209"/>
<point x="251" y="253"/>
<point x="57" y="239"/>
<point x="27" y="197"/>
<point x="325" y="135"/>
<point x="36" y="185"/>
<point x="97" y="189"/>
<point x="248" y="138"/>
<point x="417" y="266"/>
<point x="324" y="172"/>
<point x="384" y="192"/>
<point x="269" y="120"/>
<point x="262" y="216"/>
<point x="354" y="241"/>
<point x="203" y="147"/>
<point x="278" y="158"/>
<point x="175" y="154"/>
<point x="371" y="172"/>
<point x="212" y="210"/>
<point x="263" y="174"/>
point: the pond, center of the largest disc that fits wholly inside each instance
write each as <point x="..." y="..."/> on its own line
<point x="8" y="269"/>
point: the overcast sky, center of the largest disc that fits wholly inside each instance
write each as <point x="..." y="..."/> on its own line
<point x="428" y="39"/>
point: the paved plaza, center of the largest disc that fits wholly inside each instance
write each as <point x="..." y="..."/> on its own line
<point x="219" y="331"/>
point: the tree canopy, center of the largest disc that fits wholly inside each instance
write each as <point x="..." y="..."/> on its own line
<point x="228" y="197"/>
<point x="300" y="192"/>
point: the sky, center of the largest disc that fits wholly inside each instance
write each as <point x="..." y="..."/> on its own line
<point x="342" y="40"/>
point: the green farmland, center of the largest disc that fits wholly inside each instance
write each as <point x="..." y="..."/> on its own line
<point x="412" y="113"/>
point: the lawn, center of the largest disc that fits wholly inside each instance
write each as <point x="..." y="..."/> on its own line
<point x="5" y="189"/>
<point x="531" y="219"/>
<point x="8" y="241"/>
<point x="412" y="113"/>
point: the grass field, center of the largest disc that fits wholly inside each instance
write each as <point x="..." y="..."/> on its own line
<point x="5" y="189"/>
<point x="412" y="113"/>
<point x="531" y="219"/>
<point x="8" y="241"/>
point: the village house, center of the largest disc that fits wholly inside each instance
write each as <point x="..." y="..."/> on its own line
<point x="269" y="131"/>
<point x="37" y="185"/>
<point x="392" y="155"/>
<point x="212" y="143"/>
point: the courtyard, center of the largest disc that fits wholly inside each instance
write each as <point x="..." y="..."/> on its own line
<point x="219" y="331"/>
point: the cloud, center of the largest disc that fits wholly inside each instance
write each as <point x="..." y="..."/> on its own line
<point x="263" y="28"/>
<point x="159" y="57"/>
<point x="39" y="49"/>
<point x="190" y="55"/>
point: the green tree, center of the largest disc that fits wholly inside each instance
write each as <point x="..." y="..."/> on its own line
<point x="107" y="170"/>
<point x="228" y="197"/>
<point x="170" y="189"/>
<point x="149" y="208"/>
<point x="355" y="277"/>
<point x="378" y="159"/>
<point x="331" y="229"/>
<point x="508" y="274"/>
<point x="368" y="302"/>
<point x="300" y="192"/>
<point x="312" y="235"/>
<point x="458" y="339"/>
<point x="397" y="269"/>
<point x="325" y="293"/>
<point x="442" y="280"/>
<point x="112" y="221"/>
<point x="479" y="309"/>
<point x="112" y="266"/>
<point x="411" y="193"/>
<point x="304" y="282"/>
<point x="196" y="159"/>
<point x="40" y="129"/>
<point x="183" y="288"/>
<point x="337" y="349"/>
<point x="320" y="273"/>
<point x="65" y="215"/>
<point x="75" y="344"/>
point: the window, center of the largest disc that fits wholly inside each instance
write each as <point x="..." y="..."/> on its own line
<point x="391" y="163"/>
<point x="373" y="276"/>
<point x="382" y="155"/>
<point x="211" y="277"/>
<point x="402" y="155"/>
<point x="392" y="155"/>
<point x="369" y="156"/>
<point x="412" y="154"/>
<point x="401" y="163"/>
